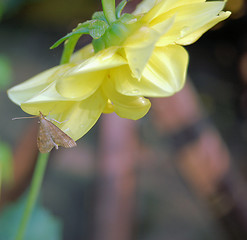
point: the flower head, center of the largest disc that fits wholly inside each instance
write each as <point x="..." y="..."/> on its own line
<point x="118" y="71"/>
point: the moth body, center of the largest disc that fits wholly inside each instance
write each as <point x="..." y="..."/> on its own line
<point x="50" y="136"/>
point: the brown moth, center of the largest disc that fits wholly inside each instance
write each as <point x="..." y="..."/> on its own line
<point x="50" y="136"/>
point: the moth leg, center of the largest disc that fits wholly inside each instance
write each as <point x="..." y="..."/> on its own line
<point x="52" y="119"/>
<point x="55" y="145"/>
<point x="58" y="121"/>
<point x="49" y="113"/>
<point x="66" y="130"/>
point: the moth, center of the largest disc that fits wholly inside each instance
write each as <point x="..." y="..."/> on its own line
<point x="50" y="136"/>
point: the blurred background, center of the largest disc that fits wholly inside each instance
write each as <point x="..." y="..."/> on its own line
<point x="177" y="174"/>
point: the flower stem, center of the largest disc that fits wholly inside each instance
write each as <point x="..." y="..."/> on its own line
<point x="69" y="47"/>
<point x="109" y="10"/>
<point x="33" y="193"/>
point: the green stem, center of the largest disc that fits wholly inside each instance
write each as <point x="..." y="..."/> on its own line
<point x="0" y="180"/>
<point x="109" y="10"/>
<point x="69" y="47"/>
<point x="33" y="193"/>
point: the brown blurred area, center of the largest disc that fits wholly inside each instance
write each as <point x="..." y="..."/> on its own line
<point x="179" y="173"/>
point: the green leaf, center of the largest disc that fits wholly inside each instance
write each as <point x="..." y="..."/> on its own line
<point x="99" y="16"/>
<point x="69" y="47"/>
<point x="120" y="8"/>
<point x="97" y="28"/>
<point x="42" y="224"/>
<point x="109" y="10"/>
<point x="127" y="18"/>
<point x="61" y="40"/>
<point x="82" y="28"/>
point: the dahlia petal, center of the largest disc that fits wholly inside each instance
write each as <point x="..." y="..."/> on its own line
<point x="109" y="108"/>
<point x="105" y="59"/>
<point x="144" y="6"/>
<point x="138" y="49"/>
<point x="194" y="36"/>
<point x="164" y="26"/>
<point x="189" y="18"/>
<point x="76" y="117"/>
<point x="26" y="90"/>
<point x="130" y="107"/>
<point x="163" y="76"/>
<point x="158" y="7"/>
<point x="84" y="79"/>
<point x="130" y="86"/>
<point x="46" y="95"/>
<point x="165" y="71"/>
<point x="82" y="54"/>
<point x="80" y="86"/>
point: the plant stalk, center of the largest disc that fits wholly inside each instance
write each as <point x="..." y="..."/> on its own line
<point x="109" y="10"/>
<point x="33" y="193"/>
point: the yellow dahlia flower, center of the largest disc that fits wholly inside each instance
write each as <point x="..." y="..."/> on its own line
<point x="148" y="61"/>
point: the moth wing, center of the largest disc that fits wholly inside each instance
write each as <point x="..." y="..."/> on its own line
<point x="60" y="138"/>
<point x="44" y="140"/>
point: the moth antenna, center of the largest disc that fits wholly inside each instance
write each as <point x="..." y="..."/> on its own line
<point x="23" y="117"/>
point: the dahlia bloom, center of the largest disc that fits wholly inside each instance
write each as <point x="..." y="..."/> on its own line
<point x="147" y="62"/>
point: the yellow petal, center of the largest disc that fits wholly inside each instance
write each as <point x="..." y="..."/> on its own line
<point x="194" y="36"/>
<point x="189" y="18"/>
<point x="26" y="90"/>
<point x="84" y="79"/>
<point x="163" y="26"/>
<point x="158" y="7"/>
<point x="105" y="59"/>
<point x="76" y="117"/>
<point x="138" y="49"/>
<point x="165" y="72"/>
<point x="109" y="108"/>
<point x="48" y="94"/>
<point x="83" y="54"/>
<point x="163" y="76"/>
<point x="80" y="86"/>
<point x="144" y="6"/>
<point x="130" y="107"/>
